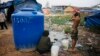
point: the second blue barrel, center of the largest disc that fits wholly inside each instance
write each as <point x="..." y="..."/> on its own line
<point x="28" y="26"/>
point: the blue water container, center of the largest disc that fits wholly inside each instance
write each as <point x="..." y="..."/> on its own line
<point x="28" y="26"/>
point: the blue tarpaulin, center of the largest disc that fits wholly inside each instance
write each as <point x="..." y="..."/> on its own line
<point x="91" y="11"/>
<point x="19" y="4"/>
<point x="6" y="5"/>
<point x="93" y="21"/>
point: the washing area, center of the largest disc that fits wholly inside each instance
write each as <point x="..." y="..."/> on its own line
<point x="60" y="41"/>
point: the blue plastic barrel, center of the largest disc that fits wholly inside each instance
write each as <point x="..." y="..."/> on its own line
<point x="28" y="26"/>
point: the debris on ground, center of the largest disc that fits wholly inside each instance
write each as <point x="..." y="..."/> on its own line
<point x="88" y="45"/>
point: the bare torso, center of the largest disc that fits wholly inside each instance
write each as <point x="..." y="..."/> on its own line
<point x="76" y="21"/>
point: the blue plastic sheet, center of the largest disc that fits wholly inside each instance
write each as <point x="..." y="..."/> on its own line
<point x="93" y="21"/>
<point x="19" y="4"/>
<point x="6" y="5"/>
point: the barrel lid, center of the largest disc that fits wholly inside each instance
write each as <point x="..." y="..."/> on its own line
<point x="27" y="9"/>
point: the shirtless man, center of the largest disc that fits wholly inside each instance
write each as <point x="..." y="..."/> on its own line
<point x="74" y="33"/>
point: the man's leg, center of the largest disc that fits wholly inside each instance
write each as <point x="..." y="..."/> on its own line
<point x="73" y="43"/>
<point x="4" y="24"/>
<point x="74" y="40"/>
<point x="0" y="25"/>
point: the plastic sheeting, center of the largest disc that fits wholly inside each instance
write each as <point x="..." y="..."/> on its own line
<point x="93" y="21"/>
<point x="91" y="11"/>
<point x="6" y="4"/>
<point x="19" y="4"/>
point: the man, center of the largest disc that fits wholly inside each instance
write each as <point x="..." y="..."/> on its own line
<point x="2" y="21"/>
<point x="44" y="45"/>
<point x="74" y="33"/>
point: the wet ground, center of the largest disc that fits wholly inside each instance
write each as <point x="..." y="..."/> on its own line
<point x="7" y="47"/>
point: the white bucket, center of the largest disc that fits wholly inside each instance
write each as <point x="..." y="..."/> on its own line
<point x="65" y="44"/>
<point x="55" y="50"/>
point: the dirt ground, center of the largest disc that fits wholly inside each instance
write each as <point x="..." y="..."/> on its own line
<point x="7" y="47"/>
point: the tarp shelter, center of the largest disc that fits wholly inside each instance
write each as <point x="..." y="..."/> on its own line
<point x="93" y="20"/>
<point x="91" y="11"/>
<point x="19" y="4"/>
<point x="6" y="4"/>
